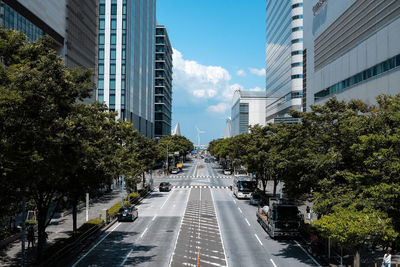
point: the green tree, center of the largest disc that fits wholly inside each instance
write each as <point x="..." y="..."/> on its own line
<point x="37" y="93"/>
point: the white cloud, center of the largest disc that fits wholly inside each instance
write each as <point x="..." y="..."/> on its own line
<point x="259" y="72"/>
<point x="199" y="80"/>
<point x="241" y="73"/>
<point x="256" y="89"/>
<point x="219" y="108"/>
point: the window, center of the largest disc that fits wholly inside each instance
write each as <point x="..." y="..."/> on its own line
<point x="297" y="40"/>
<point x="297" y="17"/>
<point x="113" y="39"/>
<point x="112" y="100"/>
<point x="297" y="5"/>
<point x="101" y="84"/>
<point x="101" y="38"/>
<point x="101" y="98"/>
<point x="296" y="76"/>
<point x="102" y="24"/>
<point x="123" y="84"/>
<point x="297" y="29"/>
<point x="112" y="84"/>
<point x="123" y="69"/>
<point x="101" y="53"/>
<point x="112" y="53"/>
<point x="114" y="9"/>
<point x="300" y="52"/>
<point x="297" y="64"/>
<point x="124" y="9"/>
<point x="123" y="54"/>
<point x="101" y="69"/>
<point x="102" y="9"/>
<point x="112" y="69"/>
<point x="113" y="24"/>
<point x="124" y="24"/>
<point x="123" y="38"/>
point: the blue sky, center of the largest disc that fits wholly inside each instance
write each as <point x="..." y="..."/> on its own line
<point x="219" y="46"/>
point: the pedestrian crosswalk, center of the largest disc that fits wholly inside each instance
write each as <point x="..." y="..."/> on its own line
<point x="200" y="186"/>
<point x="199" y="177"/>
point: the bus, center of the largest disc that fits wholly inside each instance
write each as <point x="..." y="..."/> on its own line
<point x="243" y="186"/>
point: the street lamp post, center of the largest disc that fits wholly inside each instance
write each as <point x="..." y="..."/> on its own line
<point x="167" y="163"/>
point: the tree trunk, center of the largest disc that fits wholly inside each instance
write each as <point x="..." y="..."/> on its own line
<point x="42" y="216"/>
<point x="264" y="183"/>
<point x="275" y="185"/>
<point x="74" y="202"/>
<point x="144" y="180"/>
<point x="356" y="261"/>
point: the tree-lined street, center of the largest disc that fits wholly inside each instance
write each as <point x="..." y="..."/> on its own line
<point x="199" y="213"/>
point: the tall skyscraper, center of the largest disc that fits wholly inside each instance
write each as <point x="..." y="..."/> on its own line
<point x="352" y="50"/>
<point x="163" y="83"/>
<point x="284" y="58"/>
<point x="126" y="60"/>
<point x="72" y="24"/>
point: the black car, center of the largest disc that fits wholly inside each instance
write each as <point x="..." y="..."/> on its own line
<point x="165" y="186"/>
<point x="127" y="214"/>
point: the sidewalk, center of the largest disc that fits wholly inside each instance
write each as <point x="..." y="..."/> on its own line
<point x="61" y="227"/>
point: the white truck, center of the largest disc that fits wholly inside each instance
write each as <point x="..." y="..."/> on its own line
<point x="280" y="218"/>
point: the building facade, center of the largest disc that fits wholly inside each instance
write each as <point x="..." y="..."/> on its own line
<point x="352" y="50"/>
<point x="248" y="109"/>
<point x="163" y="83"/>
<point x="126" y="60"/>
<point x="72" y="24"/>
<point x="284" y="58"/>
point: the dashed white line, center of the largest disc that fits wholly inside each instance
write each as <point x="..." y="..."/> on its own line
<point x="127" y="256"/>
<point x="145" y="230"/>
<point x="258" y="239"/>
<point x="308" y="254"/>
<point x="273" y="263"/>
<point x="165" y="201"/>
<point x="247" y="221"/>
<point x="154" y="218"/>
<point x="101" y="240"/>
<point x="240" y="210"/>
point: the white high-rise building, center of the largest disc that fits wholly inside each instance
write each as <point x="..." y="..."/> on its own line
<point x="352" y="50"/>
<point x="284" y="58"/>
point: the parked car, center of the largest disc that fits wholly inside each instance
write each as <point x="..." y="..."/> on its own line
<point x="255" y="199"/>
<point x="227" y="172"/>
<point x="127" y="214"/>
<point x="165" y="186"/>
<point x="175" y="171"/>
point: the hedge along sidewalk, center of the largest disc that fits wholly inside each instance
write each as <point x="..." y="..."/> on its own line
<point x="66" y="249"/>
<point x="61" y="228"/>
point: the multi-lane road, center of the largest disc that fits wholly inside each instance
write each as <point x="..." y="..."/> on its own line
<point x="197" y="223"/>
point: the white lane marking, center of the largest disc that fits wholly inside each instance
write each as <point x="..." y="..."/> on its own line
<point x="165" y="201"/>
<point x="220" y="233"/>
<point x="273" y="263"/>
<point x="240" y="210"/>
<point x="258" y="239"/>
<point x="154" y="218"/>
<point x="101" y="240"/>
<point x="234" y="201"/>
<point x="127" y="256"/>
<point x="308" y="254"/>
<point x="247" y="221"/>
<point x="180" y="227"/>
<point x="145" y="230"/>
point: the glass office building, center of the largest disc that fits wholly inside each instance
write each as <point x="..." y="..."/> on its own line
<point x="284" y="58"/>
<point x="126" y="60"/>
<point x="163" y="83"/>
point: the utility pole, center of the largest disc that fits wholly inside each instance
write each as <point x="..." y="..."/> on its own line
<point x="167" y="161"/>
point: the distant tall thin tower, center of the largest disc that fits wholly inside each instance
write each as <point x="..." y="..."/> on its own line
<point x="284" y="58"/>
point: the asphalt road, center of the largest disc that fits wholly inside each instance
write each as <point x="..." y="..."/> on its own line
<point x="197" y="222"/>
